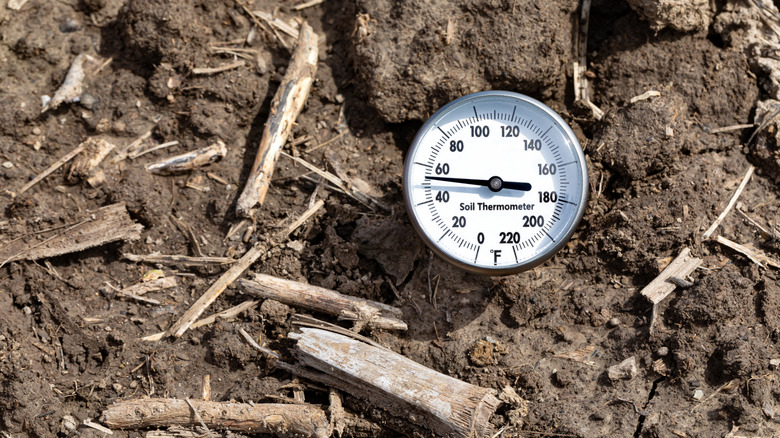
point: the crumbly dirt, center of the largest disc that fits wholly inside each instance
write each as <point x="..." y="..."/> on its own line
<point x="659" y="175"/>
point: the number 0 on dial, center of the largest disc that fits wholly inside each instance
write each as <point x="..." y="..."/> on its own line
<point x="495" y="182"/>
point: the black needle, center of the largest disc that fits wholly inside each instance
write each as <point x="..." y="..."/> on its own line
<point x="495" y="183"/>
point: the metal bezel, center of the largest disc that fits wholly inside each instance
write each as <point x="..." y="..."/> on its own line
<point x="573" y="144"/>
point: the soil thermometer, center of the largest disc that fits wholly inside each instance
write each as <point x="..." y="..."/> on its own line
<point x="495" y="182"/>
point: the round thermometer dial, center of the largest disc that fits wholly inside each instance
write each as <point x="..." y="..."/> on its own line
<point x="495" y="182"/>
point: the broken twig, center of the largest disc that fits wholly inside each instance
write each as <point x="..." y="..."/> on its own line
<point x="178" y="260"/>
<point x="442" y="404"/>
<point x="303" y="218"/>
<point x="189" y="317"/>
<point x="220" y="69"/>
<point x="323" y="300"/>
<point x="728" y="208"/>
<point x="282" y="420"/>
<point x="285" y="107"/>
<point x="211" y="319"/>
<point x="189" y="161"/>
<point x="756" y="257"/>
<point x="56" y="165"/>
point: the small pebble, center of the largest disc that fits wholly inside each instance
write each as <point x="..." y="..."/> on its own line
<point x="117" y="387"/>
<point x="8" y="164"/>
<point x="613" y="322"/>
<point x="662" y="351"/>
<point x="69" y="423"/>
<point x="774" y="364"/>
<point x="133" y="384"/>
<point x="26" y="310"/>
<point x="339" y="98"/>
<point x="36" y="131"/>
<point x="119" y="126"/>
<point x="69" y="25"/>
<point x="600" y="416"/>
<point x="87" y="100"/>
<point x="698" y="394"/>
<point x="624" y="370"/>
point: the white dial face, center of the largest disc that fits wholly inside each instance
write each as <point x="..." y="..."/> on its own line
<point x="495" y="182"/>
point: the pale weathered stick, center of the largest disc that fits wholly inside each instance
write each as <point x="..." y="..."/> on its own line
<point x="137" y="152"/>
<point x="323" y="300"/>
<point x="349" y="190"/>
<point x="733" y="201"/>
<point x="756" y="257"/>
<point x="69" y="156"/>
<point x="105" y="225"/>
<point x="178" y="260"/>
<point x="220" y="69"/>
<point x="282" y="420"/>
<point x="285" y="107"/>
<point x="440" y="403"/>
<point x="95" y="151"/>
<point x="304" y="217"/>
<point x="189" y="161"/>
<point x="223" y="315"/>
<point x="150" y="286"/>
<point x="680" y="267"/>
<point x="181" y="326"/>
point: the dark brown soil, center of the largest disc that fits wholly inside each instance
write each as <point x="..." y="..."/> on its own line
<point x="659" y="177"/>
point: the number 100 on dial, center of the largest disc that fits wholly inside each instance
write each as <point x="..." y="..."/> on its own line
<point x="495" y="182"/>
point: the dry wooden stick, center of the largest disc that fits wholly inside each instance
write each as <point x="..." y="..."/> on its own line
<point x="282" y="420"/>
<point x="349" y="190"/>
<point x="756" y="257"/>
<point x="178" y="260"/>
<point x="189" y="161"/>
<point x="181" y="326"/>
<point x="731" y="128"/>
<point x="220" y="69"/>
<point x="150" y="286"/>
<point x="285" y="107"/>
<point x="682" y="266"/>
<point x="440" y="403"/>
<point x="308" y="4"/>
<point x="728" y="208"/>
<point x="56" y="165"/>
<point x="323" y="300"/>
<point x="105" y="225"/>
<point x="304" y="217"/>
<point x="143" y="151"/>
<point x="223" y="315"/>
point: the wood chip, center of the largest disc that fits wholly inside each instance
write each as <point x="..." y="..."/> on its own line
<point x="682" y="266"/>
<point x="108" y="224"/>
